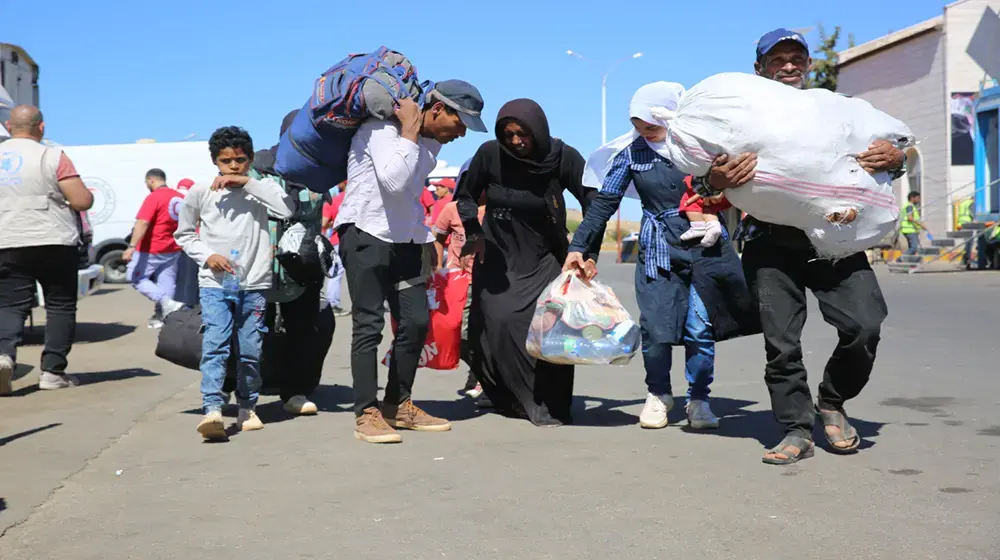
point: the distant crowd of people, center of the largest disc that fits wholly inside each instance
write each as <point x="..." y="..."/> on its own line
<point x="504" y="220"/>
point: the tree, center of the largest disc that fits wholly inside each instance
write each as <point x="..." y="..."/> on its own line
<point x="826" y="62"/>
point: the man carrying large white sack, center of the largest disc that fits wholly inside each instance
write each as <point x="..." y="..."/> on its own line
<point x="781" y="261"/>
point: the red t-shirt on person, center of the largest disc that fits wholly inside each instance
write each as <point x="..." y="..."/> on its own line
<point x="330" y="210"/>
<point x="161" y="209"/>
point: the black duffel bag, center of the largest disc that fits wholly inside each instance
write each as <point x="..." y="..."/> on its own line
<point x="180" y="338"/>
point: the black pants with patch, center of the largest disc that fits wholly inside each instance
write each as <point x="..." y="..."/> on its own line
<point x="378" y="271"/>
<point x="54" y="267"/>
<point x="779" y="268"/>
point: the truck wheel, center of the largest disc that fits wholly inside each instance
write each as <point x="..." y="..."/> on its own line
<point x="114" y="267"/>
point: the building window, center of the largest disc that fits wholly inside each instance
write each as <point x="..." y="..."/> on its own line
<point x="14" y="58"/>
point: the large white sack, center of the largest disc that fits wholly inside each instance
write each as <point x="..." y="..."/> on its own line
<point x="806" y="142"/>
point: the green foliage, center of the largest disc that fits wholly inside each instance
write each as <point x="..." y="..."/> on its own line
<point x="825" y="67"/>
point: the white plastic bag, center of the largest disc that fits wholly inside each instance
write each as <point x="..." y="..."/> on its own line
<point x="577" y="323"/>
<point x="806" y="142"/>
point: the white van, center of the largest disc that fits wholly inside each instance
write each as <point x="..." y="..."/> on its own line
<point x="116" y="174"/>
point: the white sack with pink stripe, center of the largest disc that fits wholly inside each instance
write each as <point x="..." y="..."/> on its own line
<point x="806" y="143"/>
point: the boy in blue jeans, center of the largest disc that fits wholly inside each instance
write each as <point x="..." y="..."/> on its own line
<point x="229" y="217"/>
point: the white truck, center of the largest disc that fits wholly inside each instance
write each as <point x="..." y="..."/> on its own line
<point x="115" y="174"/>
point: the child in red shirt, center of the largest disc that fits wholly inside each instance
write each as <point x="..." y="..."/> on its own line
<point x="703" y="215"/>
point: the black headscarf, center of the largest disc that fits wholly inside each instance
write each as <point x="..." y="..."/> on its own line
<point x="531" y="117"/>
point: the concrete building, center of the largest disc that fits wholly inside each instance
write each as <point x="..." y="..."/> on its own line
<point x="925" y="76"/>
<point x="18" y="74"/>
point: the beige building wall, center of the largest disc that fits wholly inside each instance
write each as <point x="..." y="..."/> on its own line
<point x="962" y="75"/>
<point x="907" y="81"/>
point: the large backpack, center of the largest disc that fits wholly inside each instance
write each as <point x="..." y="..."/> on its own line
<point x="313" y="151"/>
<point x="309" y="260"/>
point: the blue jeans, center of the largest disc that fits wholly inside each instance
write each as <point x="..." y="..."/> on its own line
<point x="699" y="348"/>
<point x="219" y="318"/>
<point x="145" y="266"/>
<point x="912" y="243"/>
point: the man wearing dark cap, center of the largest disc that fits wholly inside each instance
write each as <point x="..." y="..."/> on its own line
<point x="780" y="264"/>
<point x="382" y="238"/>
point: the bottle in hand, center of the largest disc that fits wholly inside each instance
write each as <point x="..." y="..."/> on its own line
<point x="231" y="280"/>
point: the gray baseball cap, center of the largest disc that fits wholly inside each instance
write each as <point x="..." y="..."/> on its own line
<point x="465" y="99"/>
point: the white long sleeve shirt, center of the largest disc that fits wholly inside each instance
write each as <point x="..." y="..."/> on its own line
<point x="216" y="222"/>
<point x="385" y="178"/>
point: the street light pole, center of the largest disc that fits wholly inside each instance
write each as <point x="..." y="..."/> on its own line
<point x="604" y="122"/>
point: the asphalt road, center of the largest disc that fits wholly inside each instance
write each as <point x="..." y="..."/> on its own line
<point x="114" y="469"/>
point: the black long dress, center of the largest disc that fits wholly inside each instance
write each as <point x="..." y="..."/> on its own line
<point x="526" y="243"/>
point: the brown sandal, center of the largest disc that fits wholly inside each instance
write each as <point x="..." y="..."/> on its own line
<point x="806" y="450"/>
<point x="838" y="418"/>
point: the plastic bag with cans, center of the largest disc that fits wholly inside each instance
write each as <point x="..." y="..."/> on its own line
<point x="583" y="324"/>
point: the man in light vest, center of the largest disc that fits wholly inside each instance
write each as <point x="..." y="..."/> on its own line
<point x="966" y="215"/>
<point x="910" y="224"/>
<point x="41" y="195"/>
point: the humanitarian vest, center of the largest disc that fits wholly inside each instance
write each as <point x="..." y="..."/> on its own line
<point x="33" y="211"/>
<point x="965" y="212"/>
<point x="905" y="224"/>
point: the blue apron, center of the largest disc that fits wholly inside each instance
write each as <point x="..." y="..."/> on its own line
<point x="667" y="267"/>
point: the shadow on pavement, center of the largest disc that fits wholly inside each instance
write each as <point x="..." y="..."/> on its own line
<point x="328" y="398"/>
<point x="7" y="439"/>
<point x="103" y="291"/>
<point x="115" y="375"/>
<point x="3" y="504"/>
<point x="605" y="414"/>
<point x="95" y="377"/>
<point x="20" y="370"/>
<point x="736" y="422"/>
<point x="85" y="332"/>
<point x="454" y="411"/>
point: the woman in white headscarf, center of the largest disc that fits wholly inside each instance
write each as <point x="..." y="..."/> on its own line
<point x="688" y="295"/>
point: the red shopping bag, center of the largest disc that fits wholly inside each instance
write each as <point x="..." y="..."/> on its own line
<point x="446" y="295"/>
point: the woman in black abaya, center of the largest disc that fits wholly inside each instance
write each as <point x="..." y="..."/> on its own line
<point x="521" y="246"/>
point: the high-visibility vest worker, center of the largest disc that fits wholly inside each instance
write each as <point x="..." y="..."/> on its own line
<point x="911" y="215"/>
<point x="965" y="212"/>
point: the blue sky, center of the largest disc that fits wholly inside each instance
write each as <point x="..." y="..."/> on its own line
<point x="116" y="71"/>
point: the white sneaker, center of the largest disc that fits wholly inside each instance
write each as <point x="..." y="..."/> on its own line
<point x="654" y="413"/>
<point x="247" y="421"/>
<point x="155" y="322"/>
<point x="700" y="416"/>
<point x="51" y="381"/>
<point x="168" y="306"/>
<point x="6" y="375"/>
<point x="211" y="426"/>
<point x="300" y="405"/>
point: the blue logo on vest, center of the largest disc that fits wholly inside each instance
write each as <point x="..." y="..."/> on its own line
<point x="10" y="163"/>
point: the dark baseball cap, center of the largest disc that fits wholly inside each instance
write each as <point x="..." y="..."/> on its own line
<point x="465" y="99"/>
<point x="771" y="40"/>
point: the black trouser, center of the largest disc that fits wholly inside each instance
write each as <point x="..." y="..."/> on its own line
<point x="306" y="343"/>
<point x="378" y="271"/>
<point x="55" y="268"/>
<point x="778" y="274"/>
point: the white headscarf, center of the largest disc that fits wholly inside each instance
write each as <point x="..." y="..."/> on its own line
<point x="652" y="103"/>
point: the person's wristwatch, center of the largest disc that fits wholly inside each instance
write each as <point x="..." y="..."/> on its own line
<point x="701" y="186"/>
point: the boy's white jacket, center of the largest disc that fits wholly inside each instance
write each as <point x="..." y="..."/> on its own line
<point x="216" y="222"/>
